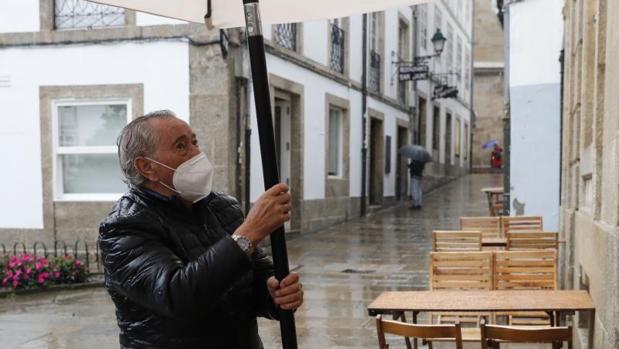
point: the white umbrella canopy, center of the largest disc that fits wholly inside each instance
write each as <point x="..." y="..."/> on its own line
<point x="229" y="13"/>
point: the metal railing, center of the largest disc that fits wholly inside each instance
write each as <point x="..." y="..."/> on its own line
<point x="374" y="73"/>
<point x="89" y="254"/>
<point x="338" y="39"/>
<point x="286" y="36"/>
<point x="85" y="14"/>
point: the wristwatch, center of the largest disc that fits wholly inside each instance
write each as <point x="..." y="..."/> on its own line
<point x="244" y="243"/>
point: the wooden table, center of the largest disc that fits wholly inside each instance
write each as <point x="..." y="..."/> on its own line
<point x="494" y="195"/>
<point x="557" y="301"/>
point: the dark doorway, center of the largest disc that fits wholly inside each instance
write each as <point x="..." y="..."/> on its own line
<point x="448" y="139"/>
<point x="401" y="173"/>
<point x="421" y="122"/>
<point x="376" y="161"/>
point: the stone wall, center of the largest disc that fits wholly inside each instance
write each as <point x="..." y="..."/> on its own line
<point x="488" y="97"/>
<point x="590" y="166"/>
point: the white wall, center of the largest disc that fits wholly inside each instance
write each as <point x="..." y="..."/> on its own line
<point x="535" y="45"/>
<point x="161" y="66"/>
<point x="19" y="16"/>
<point x="144" y="19"/>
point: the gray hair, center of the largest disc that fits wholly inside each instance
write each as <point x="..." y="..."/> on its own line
<point x="138" y="138"/>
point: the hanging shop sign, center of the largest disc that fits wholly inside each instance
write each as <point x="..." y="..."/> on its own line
<point x="413" y="72"/>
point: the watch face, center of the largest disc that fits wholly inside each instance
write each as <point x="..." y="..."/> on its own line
<point x="243" y="242"/>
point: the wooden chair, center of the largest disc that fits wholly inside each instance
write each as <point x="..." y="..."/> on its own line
<point x="461" y="271"/>
<point x="425" y="332"/>
<point x="522" y="223"/>
<point x="490" y="227"/>
<point x="526" y="270"/>
<point x="456" y="241"/>
<point x="532" y="240"/>
<point x="493" y="335"/>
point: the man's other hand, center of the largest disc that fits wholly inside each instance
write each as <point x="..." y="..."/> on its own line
<point x="287" y="294"/>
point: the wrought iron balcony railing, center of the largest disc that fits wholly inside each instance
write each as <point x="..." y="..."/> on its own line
<point x="374" y="73"/>
<point x="286" y="36"/>
<point x="84" y="14"/>
<point x="338" y="39"/>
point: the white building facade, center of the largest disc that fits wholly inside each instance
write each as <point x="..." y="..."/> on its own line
<point x="72" y="74"/>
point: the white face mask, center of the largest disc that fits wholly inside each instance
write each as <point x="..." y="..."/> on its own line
<point x="192" y="179"/>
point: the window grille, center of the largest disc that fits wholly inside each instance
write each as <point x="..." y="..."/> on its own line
<point x="338" y="39"/>
<point x="70" y="14"/>
<point x="286" y="36"/>
<point x="374" y="74"/>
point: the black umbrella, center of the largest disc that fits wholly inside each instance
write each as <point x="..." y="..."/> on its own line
<point x="415" y="152"/>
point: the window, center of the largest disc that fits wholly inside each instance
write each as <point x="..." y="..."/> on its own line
<point x="458" y="67"/>
<point x="338" y="41"/>
<point x="334" y="145"/>
<point x="403" y="55"/>
<point x="467" y="71"/>
<point x="85" y="152"/>
<point x="423" y="25"/>
<point x="449" y="48"/>
<point x="373" y="30"/>
<point x="286" y="36"/>
<point x="70" y="14"/>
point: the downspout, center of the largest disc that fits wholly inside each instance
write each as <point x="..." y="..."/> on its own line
<point x="507" y="117"/>
<point x="414" y="109"/>
<point x="562" y="61"/>
<point x="473" y="116"/>
<point x="364" y="107"/>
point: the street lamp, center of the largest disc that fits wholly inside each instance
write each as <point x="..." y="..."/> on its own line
<point x="438" y="41"/>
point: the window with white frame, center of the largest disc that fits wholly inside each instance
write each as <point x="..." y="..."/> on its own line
<point x="449" y="48"/>
<point x="423" y="25"/>
<point x="85" y="152"/>
<point x="71" y="14"/>
<point x="334" y="145"/>
<point x="458" y="67"/>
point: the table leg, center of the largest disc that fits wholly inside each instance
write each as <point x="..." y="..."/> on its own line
<point x="415" y="345"/>
<point x="591" y="328"/>
<point x="402" y="316"/>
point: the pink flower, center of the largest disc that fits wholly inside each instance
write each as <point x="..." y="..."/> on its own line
<point x="78" y="262"/>
<point x="37" y="265"/>
<point x="56" y="274"/>
<point x="42" y="277"/>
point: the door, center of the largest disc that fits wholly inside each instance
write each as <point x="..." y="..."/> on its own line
<point x="376" y="161"/>
<point x="281" y="125"/>
<point x="401" y="168"/>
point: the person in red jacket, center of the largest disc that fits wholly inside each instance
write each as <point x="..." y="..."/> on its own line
<point x="496" y="158"/>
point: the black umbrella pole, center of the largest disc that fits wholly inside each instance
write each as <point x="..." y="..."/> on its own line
<point x="262" y="100"/>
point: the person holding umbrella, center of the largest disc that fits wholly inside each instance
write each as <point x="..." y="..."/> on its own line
<point x="181" y="265"/>
<point x="419" y="156"/>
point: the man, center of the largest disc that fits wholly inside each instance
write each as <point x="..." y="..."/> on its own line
<point x="416" y="171"/>
<point x="181" y="265"/>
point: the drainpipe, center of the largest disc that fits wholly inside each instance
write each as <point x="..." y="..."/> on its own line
<point x="364" y="107"/>
<point x="473" y="116"/>
<point x="507" y="117"/>
<point x="562" y="61"/>
<point x="414" y="112"/>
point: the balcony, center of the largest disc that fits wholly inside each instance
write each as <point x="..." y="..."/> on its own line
<point x="286" y="36"/>
<point x="374" y="73"/>
<point x="338" y="39"/>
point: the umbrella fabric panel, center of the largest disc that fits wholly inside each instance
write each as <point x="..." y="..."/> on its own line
<point x="229" y="13"/>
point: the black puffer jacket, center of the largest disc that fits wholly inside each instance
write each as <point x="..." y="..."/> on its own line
<point x="177" y="278"/>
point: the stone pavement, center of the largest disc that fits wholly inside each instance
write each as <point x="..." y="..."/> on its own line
<point x="343" y="269"/>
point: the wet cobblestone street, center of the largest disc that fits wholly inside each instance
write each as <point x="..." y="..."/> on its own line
<point x="343" y="269"/>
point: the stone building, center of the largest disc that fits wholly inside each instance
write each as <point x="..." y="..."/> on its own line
<point x="590" y="161"/>
<point x="72" y="73"/>
<point x="488" y="98"/>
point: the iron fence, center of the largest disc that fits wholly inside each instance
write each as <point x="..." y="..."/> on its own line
<point x="374" y="74"/>
<point x="89" y="254"/>
<point x="286" y="35"/>
<point x="338" y="39"/>
<point x="85" y="14"/>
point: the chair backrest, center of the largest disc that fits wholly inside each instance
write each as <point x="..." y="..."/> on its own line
<point x="532" y="240"/>
<point x="443" y="332"/>
<point x="494" y="333"/>
<point x="490" y="227"/>
<point x="461" y="271"/>
<point x="522" y="223"/>
<point x="525" y="270"/>
<point x="456" y="241"/>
